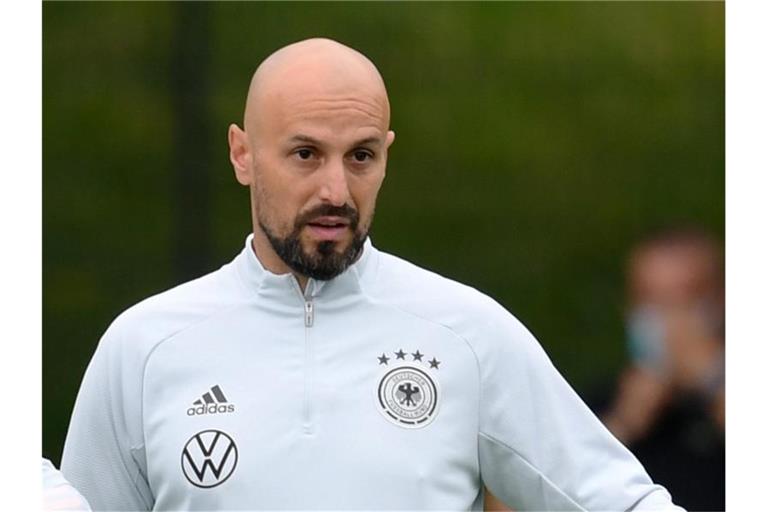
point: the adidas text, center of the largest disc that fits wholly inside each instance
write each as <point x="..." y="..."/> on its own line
<point x="210" y="409"/>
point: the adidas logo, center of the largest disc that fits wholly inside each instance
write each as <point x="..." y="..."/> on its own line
<point x="212" y="402"/>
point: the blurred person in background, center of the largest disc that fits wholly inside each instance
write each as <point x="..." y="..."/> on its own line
<point x="669" y="407"/>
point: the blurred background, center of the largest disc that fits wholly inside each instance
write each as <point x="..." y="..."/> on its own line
<point x="536" y="143"/>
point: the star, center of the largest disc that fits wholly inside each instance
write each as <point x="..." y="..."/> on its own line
<point x="383" y="359"/>
<point x="417" y="356"/>
<point x="400" y="354"/>
<point x="433" y="363"/>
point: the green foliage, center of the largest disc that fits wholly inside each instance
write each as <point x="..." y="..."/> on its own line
<point x="535" y="142"/>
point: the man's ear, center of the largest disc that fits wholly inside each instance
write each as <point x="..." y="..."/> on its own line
<point x="240" y="154"/>
<point x="390" y="139"/>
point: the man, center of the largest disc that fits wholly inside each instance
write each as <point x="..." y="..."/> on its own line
<point x="316" y="372"/>
<point x="670" y="405"/>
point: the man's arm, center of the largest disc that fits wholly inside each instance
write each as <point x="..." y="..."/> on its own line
<point x="104" y="453"/>
<point x="58" y="494"/>
<point x="540" y="447"/>
<point x="492" y="504"/>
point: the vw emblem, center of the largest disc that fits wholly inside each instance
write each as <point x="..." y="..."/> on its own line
<point x="209" y="458"/>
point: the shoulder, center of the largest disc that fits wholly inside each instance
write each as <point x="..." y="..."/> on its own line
<point x="468" y="312"/>
<point x="397" y="275"/>
<point x="138" y="329"/>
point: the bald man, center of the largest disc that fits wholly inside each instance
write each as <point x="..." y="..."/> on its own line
<point x="317" y="372"/>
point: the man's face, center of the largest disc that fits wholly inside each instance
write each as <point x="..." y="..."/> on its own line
<point x="675" y="311"/>
<point x="318" y="161"/>
<point x="669" y="278"/>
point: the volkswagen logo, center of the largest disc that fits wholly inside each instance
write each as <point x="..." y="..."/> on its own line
<point x="209" y="458"/>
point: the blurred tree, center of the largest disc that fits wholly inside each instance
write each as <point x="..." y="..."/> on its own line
<point x="192" y="162"/>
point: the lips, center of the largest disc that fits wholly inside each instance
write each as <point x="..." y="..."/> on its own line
<point x="329" y="222"/>
<point x="328" y="228"/>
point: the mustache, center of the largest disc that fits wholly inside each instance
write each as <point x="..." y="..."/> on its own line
<point x="329" y="210"/>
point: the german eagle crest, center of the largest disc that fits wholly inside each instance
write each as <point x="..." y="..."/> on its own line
<point x="407" y="395"/>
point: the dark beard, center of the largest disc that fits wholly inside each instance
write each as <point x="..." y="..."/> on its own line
<point x="325" y="263"/>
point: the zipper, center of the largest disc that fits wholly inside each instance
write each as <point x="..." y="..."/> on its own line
<point x="309" y="366"/>
<point x="306" y="296"/>
<point x="309" y="312"/>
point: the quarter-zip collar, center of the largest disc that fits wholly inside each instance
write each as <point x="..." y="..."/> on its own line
<point x="285" y="289"/>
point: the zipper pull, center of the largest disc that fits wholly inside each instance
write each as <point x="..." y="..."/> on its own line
<point x="309" y="313"/>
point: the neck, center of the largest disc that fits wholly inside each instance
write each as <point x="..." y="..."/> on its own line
<point x="271" y="261"/>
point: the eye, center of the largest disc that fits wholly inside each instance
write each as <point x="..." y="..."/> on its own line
<point x="362" y="155"/>
<point x="304" y="153"/>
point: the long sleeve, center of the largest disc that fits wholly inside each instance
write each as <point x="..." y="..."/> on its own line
<point x="104" y="453"/>
<point x="58" y="494"/>
<point x="540" y="447"/>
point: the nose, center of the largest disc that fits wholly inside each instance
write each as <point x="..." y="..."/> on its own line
<point x="334" y="188"/>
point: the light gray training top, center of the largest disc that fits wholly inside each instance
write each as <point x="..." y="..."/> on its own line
<point x="58" y="494"/>
<point x="387" y="387"/>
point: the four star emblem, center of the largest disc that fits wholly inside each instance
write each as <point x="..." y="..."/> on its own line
<point x="383" y="359"/>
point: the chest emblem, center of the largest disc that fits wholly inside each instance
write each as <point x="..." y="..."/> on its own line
<point x="407" y="395"/>
<point x="209" y="458"/>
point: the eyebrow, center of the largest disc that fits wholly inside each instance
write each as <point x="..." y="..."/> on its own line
<point x="311" y="140"/>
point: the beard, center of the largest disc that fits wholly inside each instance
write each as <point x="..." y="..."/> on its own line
<point x="324" y="262"/>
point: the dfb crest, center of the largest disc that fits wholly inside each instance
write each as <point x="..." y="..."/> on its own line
<point x="408" y="397"/>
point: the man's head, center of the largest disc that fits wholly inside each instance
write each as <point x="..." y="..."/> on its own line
<point x="676" y="299"/>
<point x="313" y="153"/>
<point x="676" y="268"/>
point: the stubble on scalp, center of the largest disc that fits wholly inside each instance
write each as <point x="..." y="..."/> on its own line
<point x="329" y="62"/>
